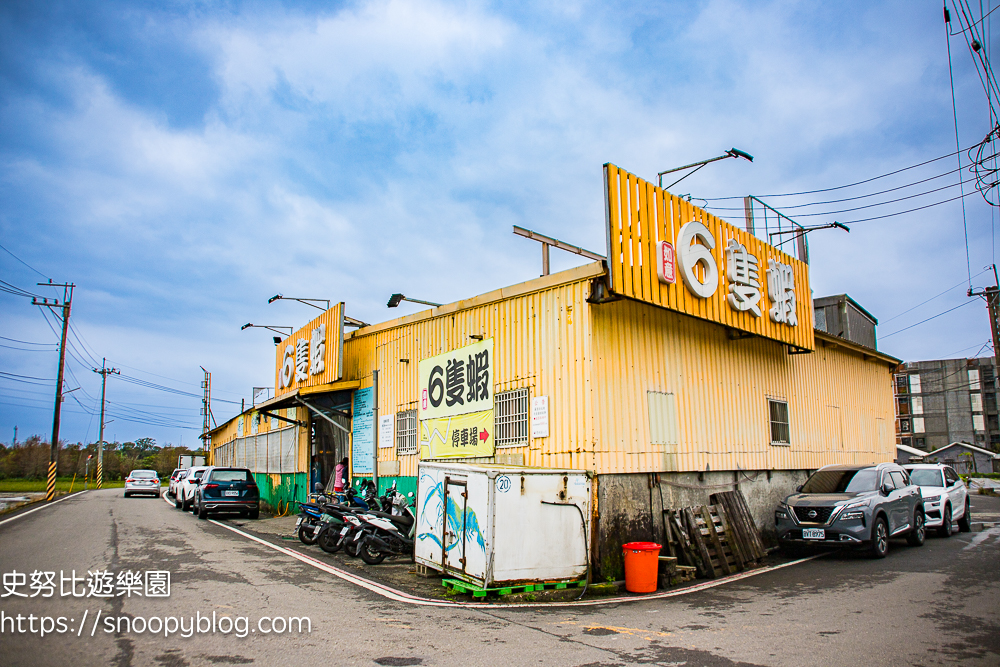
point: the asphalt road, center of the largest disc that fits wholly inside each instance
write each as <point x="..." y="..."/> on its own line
<point x="920" y="606"/>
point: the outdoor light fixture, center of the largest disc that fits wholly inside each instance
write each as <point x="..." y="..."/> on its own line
<point x="277" y="340"/>
<point x="308" y="302"/>
<point x="270" y="327"/>
<point x="732" y="152"/>
<point x="395" y="299"/>
<point x="802" y="231"/>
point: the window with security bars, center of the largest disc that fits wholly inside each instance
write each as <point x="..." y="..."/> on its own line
<point x="511" y="418"/>
<point x="406" y="432"/>
<point x="780" y="431"/>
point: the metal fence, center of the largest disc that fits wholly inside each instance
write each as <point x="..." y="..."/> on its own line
<point x="271" y="452"/>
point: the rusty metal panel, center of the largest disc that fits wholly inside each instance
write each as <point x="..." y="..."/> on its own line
<point x="721" y="387"/>
<point x="640" y="215"/>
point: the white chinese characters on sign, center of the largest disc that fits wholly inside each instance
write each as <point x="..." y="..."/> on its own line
<point x="744" y="280"/>
<point x="317" y="350"/>
<point x="304" y="357"/>
<point x="694" y="246"/>
<point x="301" y="360"/>
<point x="781" y="291"/>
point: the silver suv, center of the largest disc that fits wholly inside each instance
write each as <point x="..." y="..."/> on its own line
<point x="853" y="506"/>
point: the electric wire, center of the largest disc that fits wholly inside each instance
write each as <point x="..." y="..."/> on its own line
<point x="849" y="185"/>
<point x="845" y="199"/>
<point x="25" y="263"/>
<point x="934" y="317"/>
<point x="939" y="294"/>
<point x="958" y="149"/>
<point x="24" y="342"/>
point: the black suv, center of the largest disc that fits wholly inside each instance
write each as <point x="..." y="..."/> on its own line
<point x="226" y="490"/>
<point x="853" y="506"/>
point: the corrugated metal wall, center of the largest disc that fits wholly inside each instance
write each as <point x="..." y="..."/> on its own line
<point x="837" y="398"/>
<point x="597" y="363"/>
<point x="541" y="341"/>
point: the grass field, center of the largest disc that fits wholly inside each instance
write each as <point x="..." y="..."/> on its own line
<point x="62" y="484"/>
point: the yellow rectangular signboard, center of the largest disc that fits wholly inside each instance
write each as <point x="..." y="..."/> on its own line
<point x="667" y="252"/>
<point x="313" y="355"/>
<point x="462" y="436"/>
<point x="456" y="402"/>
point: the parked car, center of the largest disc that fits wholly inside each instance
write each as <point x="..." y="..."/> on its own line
<point x="226" y="490"/>
<point x="946" y="500"/>
<point x="853" y="506"/>
<point x="146" y="482"/>
<point x="185" y="487"/>
<point x="172" y="484"/>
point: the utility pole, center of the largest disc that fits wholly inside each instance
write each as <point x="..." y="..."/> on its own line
<point x="104" y="373"/>
<point x="206" y="409"/>
<point x="67" y="302"/>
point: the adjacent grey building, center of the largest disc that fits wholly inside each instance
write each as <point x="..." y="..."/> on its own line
<point x="965" y="458"/>
<point x="945" y="401"/>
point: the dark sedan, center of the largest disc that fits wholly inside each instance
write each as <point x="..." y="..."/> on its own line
<point x="227" y="490"/>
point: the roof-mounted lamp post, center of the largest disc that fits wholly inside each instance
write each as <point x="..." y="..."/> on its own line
<point x="395" y="299"/>
<point x="270" y="327"/>
<point x="308" y="302"/>
<point x="732" y="152"/>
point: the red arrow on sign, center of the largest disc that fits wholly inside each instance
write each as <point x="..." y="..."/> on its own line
<point x="484" y="435"/>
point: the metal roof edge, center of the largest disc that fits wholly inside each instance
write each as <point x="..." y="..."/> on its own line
<point x="969" y="446"/>
<point x="843" y="342"/>
<point x="576" y="274"/>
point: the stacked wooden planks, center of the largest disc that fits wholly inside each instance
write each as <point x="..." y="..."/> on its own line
<point x="717" y="539"/>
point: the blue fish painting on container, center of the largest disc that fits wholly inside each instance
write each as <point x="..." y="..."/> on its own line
<point x="432" y="515"/>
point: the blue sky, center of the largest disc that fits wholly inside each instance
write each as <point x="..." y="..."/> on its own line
<point x="181" y="162"/>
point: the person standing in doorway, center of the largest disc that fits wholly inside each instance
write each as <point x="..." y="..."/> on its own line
<point x="339" y="475"/>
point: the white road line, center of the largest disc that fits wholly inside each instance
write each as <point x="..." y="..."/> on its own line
<point x="41" y="507"/>
<point x="400" y="596"/>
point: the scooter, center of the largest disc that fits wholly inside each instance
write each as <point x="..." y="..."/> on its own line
<point x="392" y="534"/>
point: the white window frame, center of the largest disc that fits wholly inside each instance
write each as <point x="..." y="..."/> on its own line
<point x="973" y="379"/>
<point x="915" y="383"/>
<point x="407" y="432"/>
<point x="976" y="399"/>
<point x="978" y="423"/>
<point x="916" y="405"/>
<point x="512" y="417"/>
<point x="918" y="424"/>
<point x="772" y="422"/>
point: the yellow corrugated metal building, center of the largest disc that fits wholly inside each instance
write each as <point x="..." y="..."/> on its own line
<point x="677" y="387"/>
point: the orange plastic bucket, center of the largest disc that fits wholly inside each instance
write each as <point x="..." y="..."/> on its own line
<point x="641" y="563"/>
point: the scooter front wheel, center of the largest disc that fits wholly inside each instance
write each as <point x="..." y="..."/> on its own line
<point x="370" y="553"/>
<point x="307" y="535"/>
<point x="329" y="540"/>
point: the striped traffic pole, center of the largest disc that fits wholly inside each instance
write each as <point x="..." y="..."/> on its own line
<point x="100" y="473"/>
<point x="50" y="487"/>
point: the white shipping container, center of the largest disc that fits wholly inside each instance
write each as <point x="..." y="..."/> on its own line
<point x="495" y="525"/>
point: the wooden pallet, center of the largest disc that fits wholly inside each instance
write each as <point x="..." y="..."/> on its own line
<point x="745" y="536"/>
<point x="717" y="539"/>
<point x="460" y="586"/>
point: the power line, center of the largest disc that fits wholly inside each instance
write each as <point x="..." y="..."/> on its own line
<point x="962" y="305"/>
<point x="932" y="298"/>
<point x="954" y="110"/>
<point x="849" y="185"/>
<point x="23" y="342"/>
<point x="25" y="263"/>
<point x="845" y="199"/>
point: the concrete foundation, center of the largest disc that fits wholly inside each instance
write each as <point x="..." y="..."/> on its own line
<point x="630" y="506"/>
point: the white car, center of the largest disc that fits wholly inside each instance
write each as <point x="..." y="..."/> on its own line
<point x="142" y="481"/>
<point x="184" y="493"/>
<point x="946" y="500"/>
<point x="175" y="476"/>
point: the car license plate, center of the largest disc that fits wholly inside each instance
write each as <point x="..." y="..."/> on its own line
<point x="231" y="493"/>
<point x="813" y="534"/>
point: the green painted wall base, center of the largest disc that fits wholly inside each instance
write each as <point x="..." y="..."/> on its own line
<point x="403" y="484"/>
<point x="283" y="487"/>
